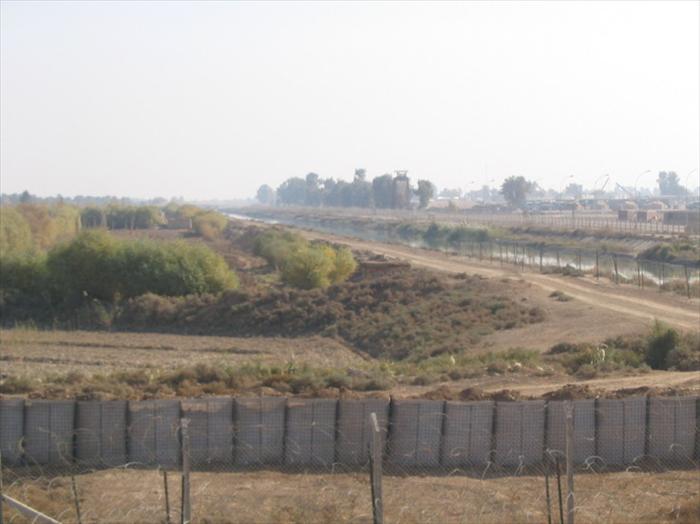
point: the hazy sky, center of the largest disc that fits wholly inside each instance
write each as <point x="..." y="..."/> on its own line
<point x="209" y="100"/>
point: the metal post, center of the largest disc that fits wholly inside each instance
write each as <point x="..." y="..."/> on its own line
<point x="186" y="517"/>
<point x="375" y="456"/>
<point x="570" y="504"/>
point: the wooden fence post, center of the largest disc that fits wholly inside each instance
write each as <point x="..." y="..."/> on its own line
<point x="2" y="519"/>
<point x="617" y="274"/>
<point x="186" y="516"/>
<point x="687" y="280"/>
<point x="167" y="497"/>
<point x="597" y="269"/>
<point x="570" y="504"/>
<point x="375" y="472"/>
<point x="76" y="500"/>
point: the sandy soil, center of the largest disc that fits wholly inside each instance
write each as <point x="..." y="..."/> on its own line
<point x="273" y="497"/>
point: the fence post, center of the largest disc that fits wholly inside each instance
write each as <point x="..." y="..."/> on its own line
<point x="167" y="497"/>
<point x="639" y="275"/>
<point x="617" y="275"/>
<point x="186" y="516"/>
<point x="375" y="472"/>
<point x="597" y="270"/>
<point x="2" y="519"/>
<point x="687" y="280"/>
<point x="76" y="500"/>
<point x="569" y="414"/>
<point x="541" y="249"/>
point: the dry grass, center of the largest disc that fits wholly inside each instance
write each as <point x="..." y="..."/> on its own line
<point x="275" y="498"/>
<point x="45" y="352"/>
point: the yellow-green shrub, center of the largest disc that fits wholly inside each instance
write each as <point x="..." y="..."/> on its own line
<point x="210" y="224"/>
<point x="15" y="233"/>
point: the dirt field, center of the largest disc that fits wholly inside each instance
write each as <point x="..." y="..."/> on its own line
<point x="276" y="498"/>
<point x="45" y="352"/>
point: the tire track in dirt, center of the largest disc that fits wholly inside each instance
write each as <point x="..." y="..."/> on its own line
<point x="687" y="318"/>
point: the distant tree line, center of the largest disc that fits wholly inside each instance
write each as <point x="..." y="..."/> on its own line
<point x="385" y="191"/>
<point x="26" y="197"/>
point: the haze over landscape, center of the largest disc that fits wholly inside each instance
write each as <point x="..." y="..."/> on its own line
<point x="209" y="100"/>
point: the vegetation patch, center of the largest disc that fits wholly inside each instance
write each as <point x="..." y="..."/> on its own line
<point x="304" y="264"/>
<point x="560" y="296"/>
<point x="662" y="348"/>
<point x="400" y="315"/>
<point x="97" y="271"/>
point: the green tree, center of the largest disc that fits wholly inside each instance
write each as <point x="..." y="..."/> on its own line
<point x="312" y="190"/>
<point x="266" y="195"/>
<point x="425" y="192"/>
<point x="15" y="233"/>
<point x="91" y="217"/>
<point x="515" y="190"/>
<point x="382" y="191"/>
<point x="669" y="184"/>
<point x="292" y="191"/>
<point x="361" y="190"/>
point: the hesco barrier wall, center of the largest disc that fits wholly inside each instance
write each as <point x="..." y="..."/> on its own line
<point x="327" y="433"/>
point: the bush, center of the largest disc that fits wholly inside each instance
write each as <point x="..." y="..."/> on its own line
<point x="302" y="264"/>
<point x="344" y="265"/>
<point x="560" y="296"/>
<point x="661" y="342"/>
<point x="275" y="246"/>
<point x="85" y="268"/>
<point x="209" y="224"/>
<point x="95" y="267"/>
<point x="436" y="235"/>
<point x="309" y="268"/>
<point x="685" y="357"/>
<point x="24" y="292"/>
<point x="172" y="269"/>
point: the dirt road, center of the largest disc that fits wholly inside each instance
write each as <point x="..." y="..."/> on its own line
<point x="627" y="301"/>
